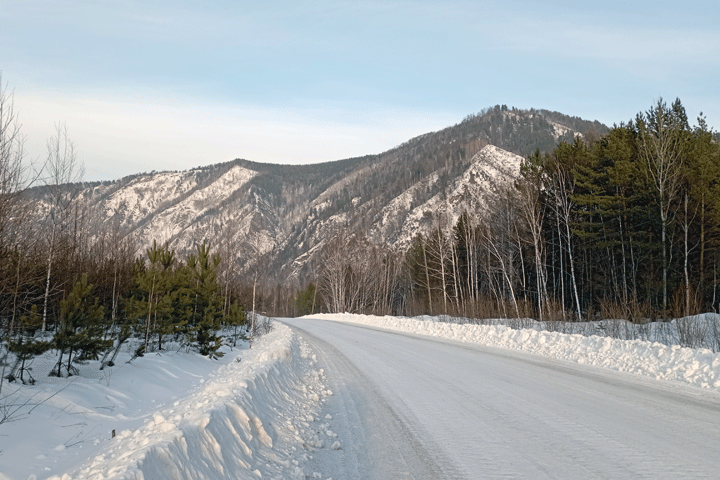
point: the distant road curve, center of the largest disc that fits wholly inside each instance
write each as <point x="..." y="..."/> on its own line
<point x="423" y="407"/>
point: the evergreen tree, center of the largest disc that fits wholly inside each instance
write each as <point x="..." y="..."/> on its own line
<point x="305" y="301"/>
<point x="25" y="346"/>
<point x="155" y="285"/>
<point x="81" y="328"/>
<point x="235" y="318"/>
<point x="207" y="308"/>
<point x="703" y="181"/>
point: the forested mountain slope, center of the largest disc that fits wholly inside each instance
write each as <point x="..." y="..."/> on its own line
<point x="246" y="209"/>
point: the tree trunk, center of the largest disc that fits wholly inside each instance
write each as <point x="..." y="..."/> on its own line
<point x="252" y="321"/>
<point x="427" y="279"/>
<point x="686" y="227"/>
<point x="663" y="219"/>
<point x="562" y="268"/>
<point x="47" y="282"/>
<point x="150" y="302"/>
<point x="572" y="273"/>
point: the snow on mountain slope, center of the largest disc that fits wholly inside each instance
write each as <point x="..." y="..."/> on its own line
<point x="490" y="170"/>
<point x="415" y="210"/>
<point x="291" y="209"/>
<point x="560" y="130"/>
<point x="322" y="201"/>
<point x="146" y="194"/>
<point x="394" y="214"/>
<point x="263" y="208"/>
<point x="183" y="215"/>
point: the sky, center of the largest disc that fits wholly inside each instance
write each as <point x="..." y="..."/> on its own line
<point x="172" y="85"/>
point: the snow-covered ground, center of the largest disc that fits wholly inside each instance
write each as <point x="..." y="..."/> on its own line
<point x="254" y="413"/>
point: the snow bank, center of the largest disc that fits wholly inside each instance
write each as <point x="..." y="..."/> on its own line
<point x="251" y="417"/>
<point x="696" y="331"/>
<point x="699" y="367"/>
<point x="231" y="428"/>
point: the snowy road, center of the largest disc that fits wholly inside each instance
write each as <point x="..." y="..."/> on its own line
<point x="410" y="407"/>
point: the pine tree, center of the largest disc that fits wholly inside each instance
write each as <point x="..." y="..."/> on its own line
<point x="25" y="346"/>
<point x="702" y="174"/>
<point x="81" y="328"/>
<point x="155" y="284"/>
<point x="305" y="300"/>
<point x="235" y="318"/>
<point x="207" y="308"/>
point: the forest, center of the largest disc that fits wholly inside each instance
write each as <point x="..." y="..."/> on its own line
<point x="620" y="226"/>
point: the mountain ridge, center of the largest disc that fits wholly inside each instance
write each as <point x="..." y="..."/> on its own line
<point x="287" y="212"/>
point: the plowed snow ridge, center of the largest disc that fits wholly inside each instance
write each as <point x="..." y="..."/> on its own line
<point x="699" y="367"/>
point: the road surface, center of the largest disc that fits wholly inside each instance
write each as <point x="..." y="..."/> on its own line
<point x="408" y="406"/>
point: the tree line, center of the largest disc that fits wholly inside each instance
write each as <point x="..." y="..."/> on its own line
<point x="624" y="225"/>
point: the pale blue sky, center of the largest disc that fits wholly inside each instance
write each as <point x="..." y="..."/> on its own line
<point x="165" y="85"/>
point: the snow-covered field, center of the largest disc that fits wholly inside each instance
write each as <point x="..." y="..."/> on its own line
<point x="254" y="413"/>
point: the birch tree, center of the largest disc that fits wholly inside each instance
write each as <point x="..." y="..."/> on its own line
<point x="560" y="183"/>
<point x="12" y="154"/>
<point x="660" y="146"/>
<point x="61" y="170"/>
<point x="438" y="261"/>
<point x="16" y="232"/>
<point x="532" y="213"/>
<point x="333" y="272"/>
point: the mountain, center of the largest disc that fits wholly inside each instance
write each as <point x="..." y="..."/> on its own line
<point x="288" y="212"/>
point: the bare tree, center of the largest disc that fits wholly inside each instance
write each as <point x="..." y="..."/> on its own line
<point x="426" y="269"/>
<point x="356" y="275"/>
<point x="258" y="269"/>
<point x="497" y="233"/>
<point x="439" y="252"/>
<point x="333" y="271"/>
<point x="384" y="274"/>
<point x="17" y="234"/>
<point x="61" y="170"/>
<point x="12" y="154"/>
<point x="660" y="145"/>
<point x="561" y="185"/>
<point x="532" y="213"/>
<point x="418" y="270"/>
<point x="229" y="250"/>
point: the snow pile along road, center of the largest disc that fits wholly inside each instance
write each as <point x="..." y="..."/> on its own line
<point x="239" y="425"/>
<point x="250" y="417"/>
<point x="699" y="367"/>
